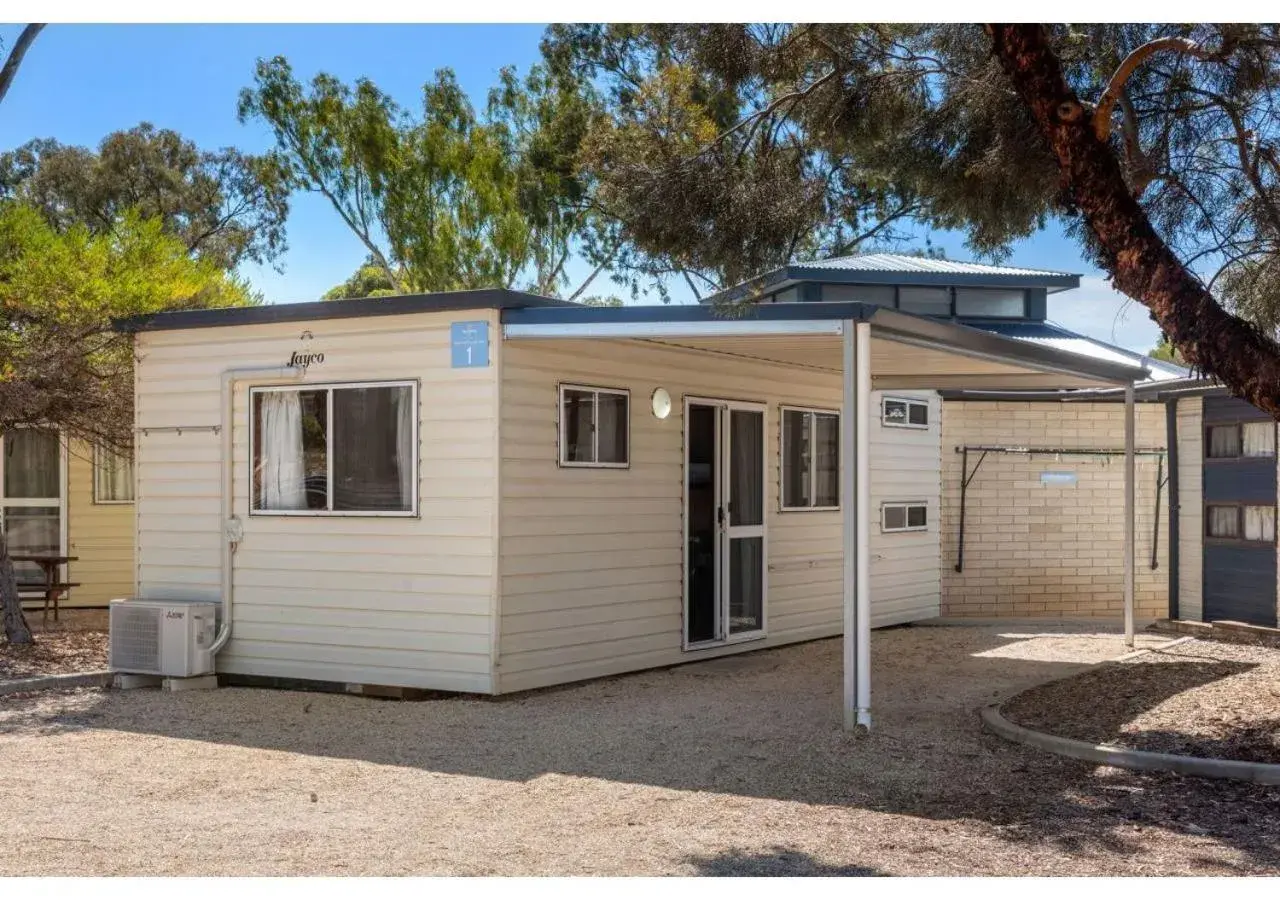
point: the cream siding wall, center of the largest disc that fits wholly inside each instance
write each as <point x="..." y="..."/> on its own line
<point x="1044" y="550"/>
<point x="591" y="559"/>
<point x="99" y="535"/>
<point x="1191" y="515"/>
<point x="387" y="601"/>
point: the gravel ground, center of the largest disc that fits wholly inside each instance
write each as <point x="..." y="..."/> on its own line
<point x="77" y="643"/>
<point x="732" y="766"/>
<point x="1199" y="698"/>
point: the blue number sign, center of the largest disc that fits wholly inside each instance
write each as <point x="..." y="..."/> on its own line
<point x="469" y="345"/>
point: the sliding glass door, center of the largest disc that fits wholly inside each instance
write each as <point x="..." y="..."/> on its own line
<point x="31" y="475"/>
<point x="724" y="522"/>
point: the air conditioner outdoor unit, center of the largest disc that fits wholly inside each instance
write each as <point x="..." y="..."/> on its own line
<point x="163" y="637"/>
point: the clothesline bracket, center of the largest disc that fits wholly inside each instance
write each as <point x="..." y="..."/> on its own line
<point x="178" y="429"/>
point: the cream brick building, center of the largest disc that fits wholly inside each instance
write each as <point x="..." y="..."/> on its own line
<point x="1044" y="533"/>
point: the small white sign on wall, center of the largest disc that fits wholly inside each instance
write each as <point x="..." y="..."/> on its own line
<point x="1058" y="479"/>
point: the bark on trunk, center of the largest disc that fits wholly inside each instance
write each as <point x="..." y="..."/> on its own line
<point x="1141" y="265"/>
<point x="15" y="622"/>
<point x="20" y="48"/>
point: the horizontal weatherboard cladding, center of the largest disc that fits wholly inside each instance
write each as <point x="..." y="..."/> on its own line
<point x="1242" y="480"/>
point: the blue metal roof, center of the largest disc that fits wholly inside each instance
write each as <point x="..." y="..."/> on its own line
<point x="897" y="269"/>
<point x="1047" y="334"/>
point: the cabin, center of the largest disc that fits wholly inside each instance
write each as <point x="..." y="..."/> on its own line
<point x="67" y="498"/>
<point x="491" y="491"/>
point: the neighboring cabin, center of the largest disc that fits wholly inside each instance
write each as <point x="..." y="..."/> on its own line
<point x="66" y="498"/>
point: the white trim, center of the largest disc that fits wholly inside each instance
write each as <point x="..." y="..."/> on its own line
<point x="909" y="401"/>
<point x="330" y="387"/>
<point x="60" y="502"/>
<point x="628" y="330"/>
<point x="561" y="443"/>
<point x="95" y="464"/>
<point x="907" y="506"/>
<point x="726" y="533"/>
<point x="783" y="409"/>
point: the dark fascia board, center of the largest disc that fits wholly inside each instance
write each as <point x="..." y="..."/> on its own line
<point x="788" y="276"/>
<point x="1149" y="392"/>
<point x="912" y="328"/>
<point x="448" y="301"/>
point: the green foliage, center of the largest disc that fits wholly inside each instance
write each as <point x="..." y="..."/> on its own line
<point x="224" y="205"/>
<point x="370" y="280"/>
<point x="729" y="149"/>
<point x="446" y="200"/>
<point x="60" y="361"/>
<point x="1166" y="352"/>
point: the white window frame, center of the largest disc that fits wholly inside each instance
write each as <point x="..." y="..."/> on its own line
<point x="906" y="506"/>
<point x="562" y="444"/>
<point x="97" y="494"/>
<point x="29" y="590"/>
<point x="331" y="386"/>
<point x="811" y="411"/>
<point x="910" y="402"/>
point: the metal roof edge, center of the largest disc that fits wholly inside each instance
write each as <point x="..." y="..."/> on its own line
<point x="803" y="272"/>
<point x="315" y="310"/>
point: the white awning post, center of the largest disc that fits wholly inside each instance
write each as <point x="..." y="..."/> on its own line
<point x="1129" y="543"/>
<point x="855" y="497"/>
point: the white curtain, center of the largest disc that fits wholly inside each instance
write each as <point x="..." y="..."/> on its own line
<point x="404" y="446"/>
<point x="115" y="476"/>
<point x="283" y="465"/>
<point x="1259" y="438"/>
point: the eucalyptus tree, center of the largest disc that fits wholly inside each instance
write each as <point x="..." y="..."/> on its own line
<point x="731" y="148"/>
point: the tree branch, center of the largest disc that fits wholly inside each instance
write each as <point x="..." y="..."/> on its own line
<point x="1102" y="115"/>
<point x="20" y="47"/>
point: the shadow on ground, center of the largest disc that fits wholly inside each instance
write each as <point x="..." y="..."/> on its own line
<point x="780" y="861"/>
<point x="764" y="725"/>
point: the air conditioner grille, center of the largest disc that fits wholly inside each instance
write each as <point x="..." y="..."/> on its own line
<point x="135" y="639"/>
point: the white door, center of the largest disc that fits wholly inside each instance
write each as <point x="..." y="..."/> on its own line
<point x="724" y="521"/>
<point x="31" y="501"/>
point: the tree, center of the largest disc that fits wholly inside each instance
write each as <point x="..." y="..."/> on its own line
<point x="61" y="363"/>
<point x="17" y="53"/>
<point x="1166" y="352"/>
<point x="225" y="205"/>
<point x="962" y="127"/>
<point x="370" y="280"/>
<point x="447" y="200"/>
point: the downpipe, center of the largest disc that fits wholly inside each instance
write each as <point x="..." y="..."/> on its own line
<point x="232" y="527"/>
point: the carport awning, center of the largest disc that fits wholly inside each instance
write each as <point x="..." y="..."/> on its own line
<point x="906" y="351"/>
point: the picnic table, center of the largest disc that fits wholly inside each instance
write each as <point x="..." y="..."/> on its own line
<point x="53" y="588"/>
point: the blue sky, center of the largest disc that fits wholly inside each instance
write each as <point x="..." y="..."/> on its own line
<point x="80" y="82"/>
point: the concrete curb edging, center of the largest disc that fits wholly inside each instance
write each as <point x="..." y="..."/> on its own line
<point x="56" y="682"/>
<point x="1141" y="760"/>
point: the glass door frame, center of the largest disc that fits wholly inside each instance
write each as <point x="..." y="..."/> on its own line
<point x="60" y="504"/>
<point x="725" y="532"/>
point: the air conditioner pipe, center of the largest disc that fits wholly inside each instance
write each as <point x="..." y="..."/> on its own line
<point x="230" y="524"/>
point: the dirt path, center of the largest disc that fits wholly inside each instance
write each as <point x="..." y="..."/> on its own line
<point x="731" y="766"/>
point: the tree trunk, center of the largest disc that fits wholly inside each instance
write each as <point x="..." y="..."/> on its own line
<point x="19" y="50"/>
<point x="15" y="623"/>
<point x="1141" y="265"/>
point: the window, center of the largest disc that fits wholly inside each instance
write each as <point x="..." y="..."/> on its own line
<point x="900" y="412"/>
<point x="913" y="516"/>
<point x="336" y="449"/>
<point x="594" y="427"/>
<point x="1250" y="523"/>
<point x="990" y="303"/>
<point x="875" y="294"/>
<point x="1258" y="438"/>
<point x="1250" y="439"/>
<point x="112" y="476"/>
<point x="810" y="459"/>
<point x="31" y="499"/>
<point x="925" y="301"/>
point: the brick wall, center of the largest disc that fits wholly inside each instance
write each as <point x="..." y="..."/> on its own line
<point x="1051" y="550"/>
